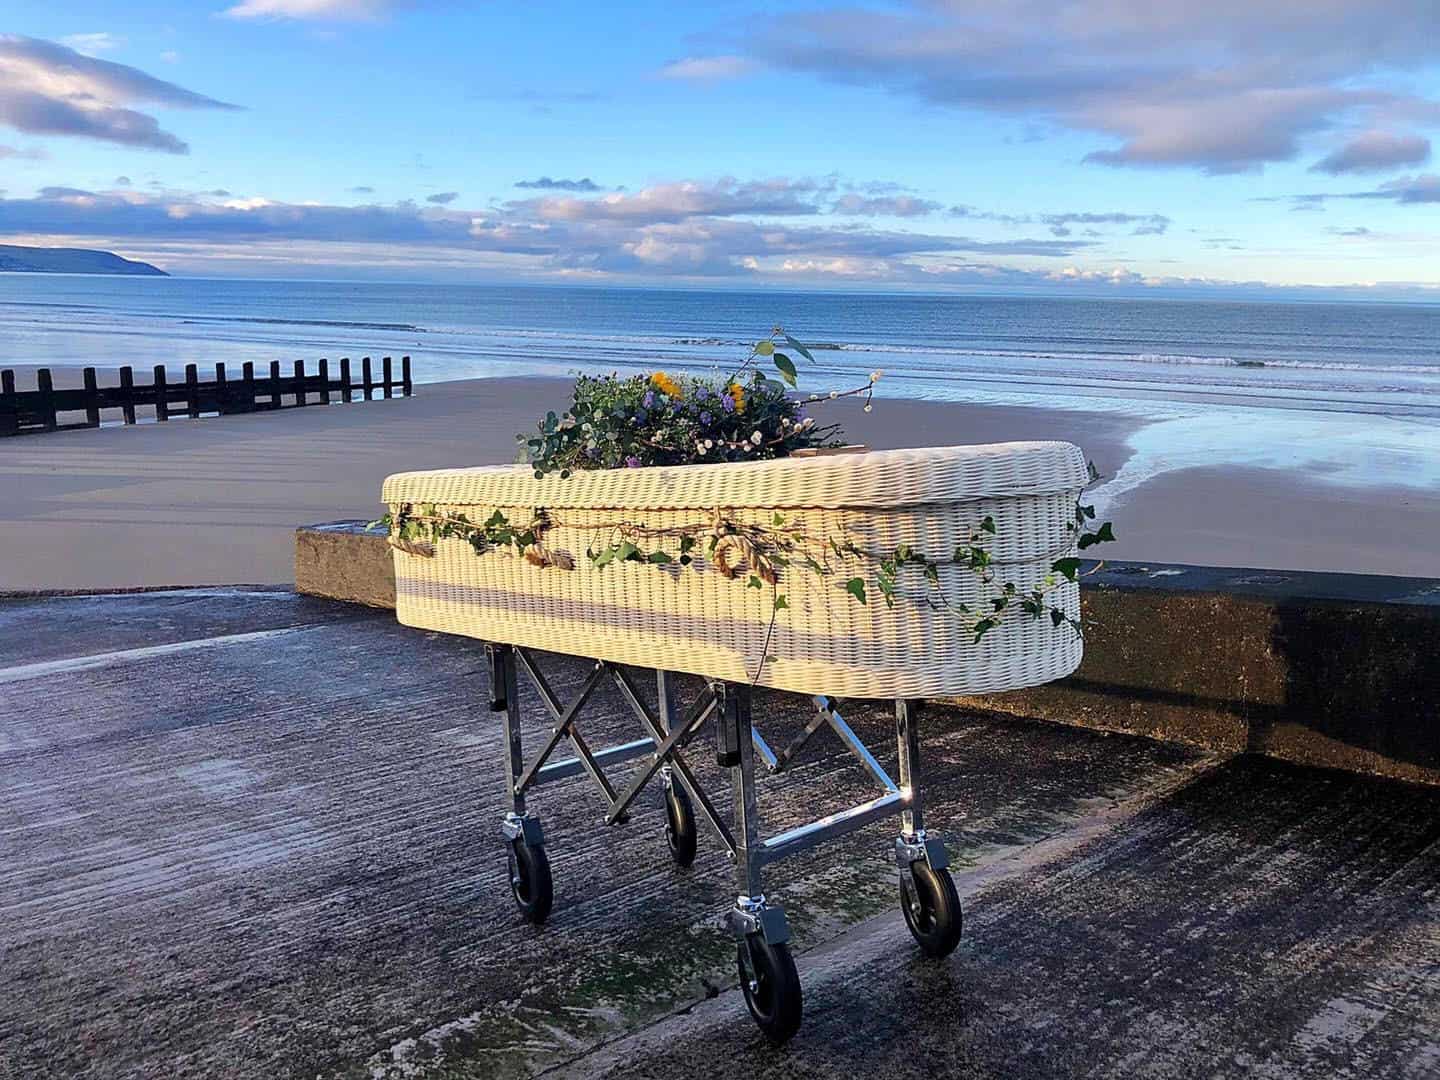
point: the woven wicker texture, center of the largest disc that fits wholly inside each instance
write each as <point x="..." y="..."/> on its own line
<point x="693" y="619"/>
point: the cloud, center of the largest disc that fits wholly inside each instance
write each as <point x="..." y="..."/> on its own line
<point x="90" y="44"/>
<point x="687" y="228"/>
<point x="707" y="68"/>
<point x="27" y="153"/>
<point x="362" y="189"/>
<point x="123" y="181"/>
<point x="1145" y="224"/>
<point x="1411" y="189"/>
<point x="1223" y="87"/>
<point x="677" y="201"/>
<point x="49" y="89"/>
<point x="443" y="198"/>
<point x="883" y="206"/>
<point x="1422" y="188"/>
<point x="545" y="183"/>
<point x="346" y="10"/>
<point x="1375" y="151"/>
<point x="1059" y="223"/>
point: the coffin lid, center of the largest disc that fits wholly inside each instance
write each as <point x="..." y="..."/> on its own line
<point x="881" y="478"/>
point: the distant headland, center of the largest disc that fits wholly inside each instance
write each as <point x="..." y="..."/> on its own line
<point x="70" y="261"/>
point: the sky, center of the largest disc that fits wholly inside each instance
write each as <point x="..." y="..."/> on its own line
<point x="1128" y="145"/>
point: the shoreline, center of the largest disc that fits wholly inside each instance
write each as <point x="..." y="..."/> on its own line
<point x="216" y="501"/>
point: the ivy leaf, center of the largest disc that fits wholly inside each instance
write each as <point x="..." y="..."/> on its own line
<point x="754" y="582"/>
<point x="786" y="367"/>
<point x="983" y="627"/>
<point x="781" y="603"/>
<point x="1102" y="535"/>
<point x="1068" y="567"/>
<point x="627" y="550"/>
<point x="987" y="524"/>
<point x="1056" y="617"/>
<point x="660" y="558"/>
<point x="856" y="588"/>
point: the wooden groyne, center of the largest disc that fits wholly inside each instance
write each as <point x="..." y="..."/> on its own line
<point x="25" y="412"/>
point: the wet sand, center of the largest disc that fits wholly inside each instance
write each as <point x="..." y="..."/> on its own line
<point x="215" y="501"/>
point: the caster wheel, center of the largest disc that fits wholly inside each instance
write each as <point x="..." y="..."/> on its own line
<point x="771" y="986"/>
<point x="530" y="883"/>
<point x="680" y="825"/>
<point x="932" y="909"/>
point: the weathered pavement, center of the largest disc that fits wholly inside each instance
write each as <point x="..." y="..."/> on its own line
<point x="244" y="833"/>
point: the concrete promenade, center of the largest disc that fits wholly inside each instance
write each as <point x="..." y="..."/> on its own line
<point x="251" y="834"/>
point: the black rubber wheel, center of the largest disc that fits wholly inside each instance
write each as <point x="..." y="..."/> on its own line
<point x="771" y="986"/>
<point x="680" y="825"/>
<point x="530" y="882"/>
<point x="932" y="909"/>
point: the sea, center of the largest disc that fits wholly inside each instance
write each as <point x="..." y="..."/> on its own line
<point x="1346" y="391"/>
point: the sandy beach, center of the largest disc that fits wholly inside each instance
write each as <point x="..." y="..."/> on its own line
<point x="216" y="501"/>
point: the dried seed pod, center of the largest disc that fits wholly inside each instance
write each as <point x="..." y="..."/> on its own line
<point x="413" y="547"/>
<point x="722" y="558"/>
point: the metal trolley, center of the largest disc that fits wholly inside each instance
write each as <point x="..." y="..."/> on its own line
<point x="768" y="977"/>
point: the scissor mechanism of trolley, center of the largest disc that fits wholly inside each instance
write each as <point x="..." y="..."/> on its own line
<point x="768" y="978"/>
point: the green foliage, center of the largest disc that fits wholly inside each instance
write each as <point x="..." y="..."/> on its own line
<point x="633" y="421"/>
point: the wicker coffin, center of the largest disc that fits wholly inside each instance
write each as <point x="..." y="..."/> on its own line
<point x="694" y="619"/>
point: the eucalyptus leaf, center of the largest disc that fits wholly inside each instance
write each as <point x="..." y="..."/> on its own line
<point x="801" y="349"/>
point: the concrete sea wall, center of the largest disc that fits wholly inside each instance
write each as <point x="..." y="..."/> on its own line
<point x="1338" y="670"/>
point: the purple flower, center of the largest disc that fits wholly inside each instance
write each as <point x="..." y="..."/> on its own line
<point x="701" y="393"/>
<point x="632" y="462"/>
<point x="641" y="416"/>
<point x="705" y="419"/>
<point x="727" y="402"/>
<point x="649" y="399"/>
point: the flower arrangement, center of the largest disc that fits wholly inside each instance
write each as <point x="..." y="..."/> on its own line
<point x="619" y="422"/>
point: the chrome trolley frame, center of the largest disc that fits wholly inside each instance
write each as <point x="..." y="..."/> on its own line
<point x="767" y="974"/>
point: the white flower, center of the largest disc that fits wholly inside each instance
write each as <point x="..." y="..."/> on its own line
<point x="709" y="444"/>
<point x="834" y="394"/>
<point x="757" y="438"/>
<point x="809" y="421"/>
<point x="875" y="375"/>
<point x="868" y="407"/>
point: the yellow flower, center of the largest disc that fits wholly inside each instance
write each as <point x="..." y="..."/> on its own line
<point x="665" y="384"/>
<point x="737" y="392"/>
